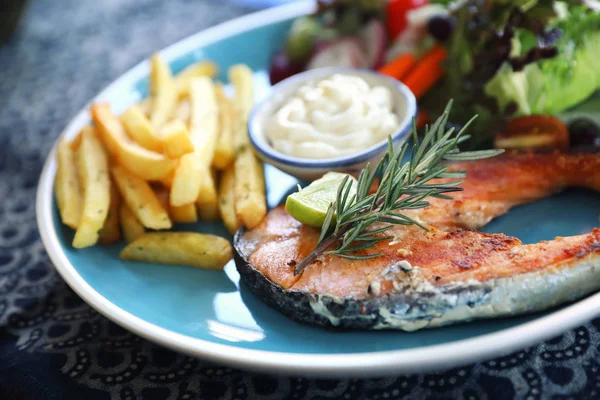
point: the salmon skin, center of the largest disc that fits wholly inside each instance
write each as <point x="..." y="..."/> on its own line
<point x="448" y="274"/>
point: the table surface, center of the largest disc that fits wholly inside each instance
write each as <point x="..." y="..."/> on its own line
<point x="54" y="346"/>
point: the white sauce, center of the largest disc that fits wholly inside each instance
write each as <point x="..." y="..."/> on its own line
<point x="334" y="117"/>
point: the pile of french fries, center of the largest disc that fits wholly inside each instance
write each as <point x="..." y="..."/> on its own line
<point x="180" y="155"/>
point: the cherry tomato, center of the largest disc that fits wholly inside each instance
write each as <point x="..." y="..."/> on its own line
<point x="396" y="14"/>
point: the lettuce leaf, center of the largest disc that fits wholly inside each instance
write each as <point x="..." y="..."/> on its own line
<point x="589" y="109"/>
<point x="509" y="87"/>
<point x="553" y="85"/>
<point x="483" y="40"/>
<point x="574" y="75"/>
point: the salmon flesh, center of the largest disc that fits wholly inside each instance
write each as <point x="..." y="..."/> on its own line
<point x="447" y="274"/>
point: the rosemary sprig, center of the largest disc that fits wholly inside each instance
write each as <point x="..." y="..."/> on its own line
<point x="402" y="186"/>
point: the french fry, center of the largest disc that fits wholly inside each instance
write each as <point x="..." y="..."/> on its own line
<point x="131" y="227"/>
<point x="76" y="142"/>
<point x="241" y="78"/>
<point x="183" y="111"/>
<point x="111" y="231"/>
<point x="180" y="214"/>
<point x="146" y="164"/>
<point x="110" y="129"/>
<point x="163" y="91"/>
<point x="208" y="212"/>
<point x="204" y="119"/>
<point x="180" y="248"/>
<point x="92" y="164"/>
<point x="140" y="129"/>
<point x="141" y="199"/>
<point x="225" y="147"/>
<point x="250" y="200"/>
<point x="145" y="106"/>
<point x="184" y="78"/>
<point x="176" y="139"/>
<point x="227" y="200"/>
<point x="66" y="185"/>
<point x="192" y="173"/>
<point x="187" y="180"/>
<point x="184" y="214"/>
<point x="208" y="202"/>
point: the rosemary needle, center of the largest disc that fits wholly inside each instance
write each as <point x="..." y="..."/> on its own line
<point x="402" y="186"/>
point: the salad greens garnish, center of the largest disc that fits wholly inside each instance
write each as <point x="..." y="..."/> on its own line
<point x="509" y="58"/>
<point x="401" y="186"/>
<point x="574" y="74"/>
<point x="483" y="43"/>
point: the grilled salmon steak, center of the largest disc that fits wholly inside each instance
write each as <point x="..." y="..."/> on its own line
<point x="451" y="272"/>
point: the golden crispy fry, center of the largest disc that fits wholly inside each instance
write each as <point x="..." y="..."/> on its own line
<point x="92" y="165"/>
<point x="131" y="227"/>
<point x="225" y="147"/>
<point x="111" y="131"/>
<point x="209" y="212"/>
<point x="187" y="180"/>
<point x="145" y="106"/>
<point x="176" y="139"/>
<point x="191" y="174"/>
<point x="241" y="78"/>
<point x="111" y="231"/>
<point x="250" y="200"/>
<point x="180" y="248"/>
<point x="227" y="200"/>
<point x="140" y="129"/>
<point x="183" y="111"/>
<point x="204" y="119"/>
<point x="141" y="199"/>
<point x="184" y="78"/>
<point x="184" y="214"/>
<point x="208" y="206"/>
<point x="143" y="162"/>
<point x="76" y="142"/>
<point x="66" y="185"/>
<point x="163" y="91"/>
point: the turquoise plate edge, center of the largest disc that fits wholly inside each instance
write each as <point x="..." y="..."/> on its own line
<point x="176" y="298"/>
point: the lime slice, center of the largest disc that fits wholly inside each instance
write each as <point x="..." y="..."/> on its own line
<point x="309" y="205"/>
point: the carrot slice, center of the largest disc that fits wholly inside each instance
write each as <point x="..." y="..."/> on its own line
<point x="427" y="71"/>
<point x="436" y="55"/>
<point x="423" y="78"/>
<point x="422" y="119"/>
<point x="400" y="67"/>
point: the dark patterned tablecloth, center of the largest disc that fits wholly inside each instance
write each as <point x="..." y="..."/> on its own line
<point x="54" y="346"/>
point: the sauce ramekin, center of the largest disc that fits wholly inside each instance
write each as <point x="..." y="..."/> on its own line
<point x="405" y="108"/>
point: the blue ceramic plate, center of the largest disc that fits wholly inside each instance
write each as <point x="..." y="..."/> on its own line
<point x="207" y="314"/>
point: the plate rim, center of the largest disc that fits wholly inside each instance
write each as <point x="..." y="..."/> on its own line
<point x="369" y="364"/>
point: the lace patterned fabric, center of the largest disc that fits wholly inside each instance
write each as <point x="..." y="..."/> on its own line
<point x="54" y="346"/>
